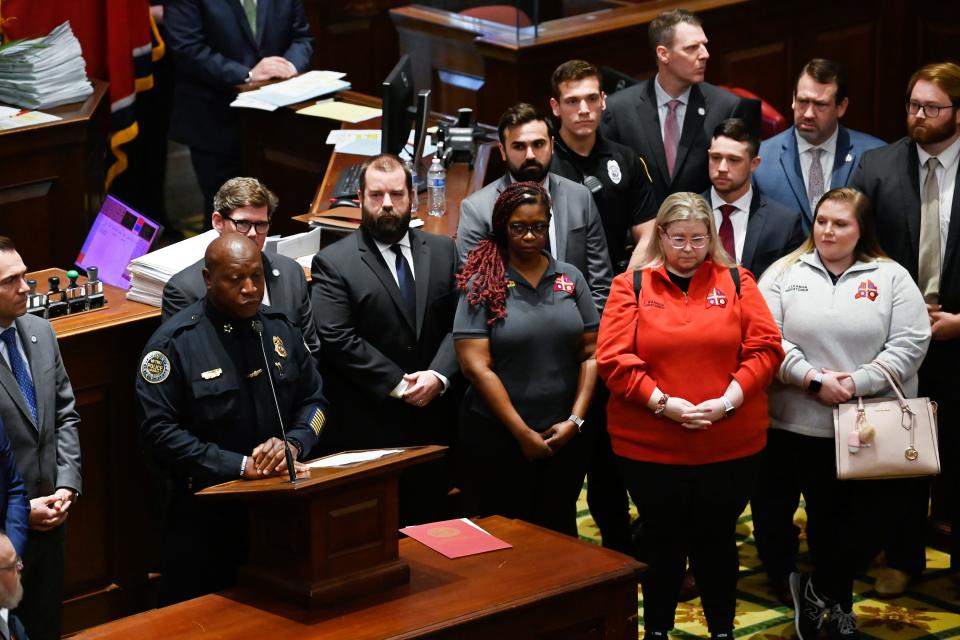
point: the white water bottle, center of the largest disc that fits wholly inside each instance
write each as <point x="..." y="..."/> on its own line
<point x="437" y="186"/>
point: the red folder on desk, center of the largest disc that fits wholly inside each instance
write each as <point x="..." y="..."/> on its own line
<point x="455" y="538"/>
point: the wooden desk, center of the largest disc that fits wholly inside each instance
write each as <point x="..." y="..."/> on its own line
<point x="111" y="533"/>
<point x="546" y="586"/>
<point x="461" y="182"/>
<point x="51" y="185"/>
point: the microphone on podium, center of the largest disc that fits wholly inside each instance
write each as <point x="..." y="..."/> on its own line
<point x="258" y="327"/>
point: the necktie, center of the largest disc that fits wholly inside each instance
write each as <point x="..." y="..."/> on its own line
<point x="671" y="135"/>
<point x="726" y="231"/>
<point x="815" y="188"/>
<point x="250" y="8"/>
<point x="20" y="372"/>
<point x="408" y="290"/>
<point x="928" y="267"/>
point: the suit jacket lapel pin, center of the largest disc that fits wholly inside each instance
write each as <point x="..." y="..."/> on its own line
<point x="716" y="298"/>
<point x="278" y="347"/>
<point x="33" y="339"/>
<point x="849" y="157"/>
<point x="275" y="273"/>
<point x="702" y="111"/>
<point x="564" y="283"/>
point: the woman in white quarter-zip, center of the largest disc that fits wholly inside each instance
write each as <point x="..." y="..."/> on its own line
<point x="840" y="304"/>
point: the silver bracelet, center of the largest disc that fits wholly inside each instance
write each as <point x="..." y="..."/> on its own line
<point x="243" y="467"/>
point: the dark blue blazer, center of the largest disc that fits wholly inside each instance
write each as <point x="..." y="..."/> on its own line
<point x="773" y="231"/>
<point x="780" y="177"/>
<point x="214" y="50"/>
<point x="13" y="496"/>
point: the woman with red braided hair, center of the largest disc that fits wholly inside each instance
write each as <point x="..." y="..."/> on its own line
<point x="525" y="332"/>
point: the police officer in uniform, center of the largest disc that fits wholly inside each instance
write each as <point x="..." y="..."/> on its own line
<point x="618" y="179"/>
<point x="209" y="414"/>
<point x="615" y="174"/>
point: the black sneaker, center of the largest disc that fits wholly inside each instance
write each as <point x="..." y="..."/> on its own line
<point x="808" y="607"/>
<point x="841" y="625"/>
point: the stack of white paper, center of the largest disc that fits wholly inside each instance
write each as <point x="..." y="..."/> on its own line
<point x="312" y="84"/>
<point x="44" y="72"/>
<point x="149" y="273"/>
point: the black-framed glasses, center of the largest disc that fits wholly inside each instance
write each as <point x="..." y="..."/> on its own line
<point x="17" y="565"/>
<point x="243" y="226"/>
<point x="680" y="242"/>
<point x="929" y="110"/>
<point x="519" y="229"/>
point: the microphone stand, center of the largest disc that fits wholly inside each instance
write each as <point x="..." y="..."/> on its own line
<point x="258" y="327"/>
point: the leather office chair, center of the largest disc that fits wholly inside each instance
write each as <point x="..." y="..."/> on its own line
<point x="772" y="121"/>
<point x="502" y="13"/>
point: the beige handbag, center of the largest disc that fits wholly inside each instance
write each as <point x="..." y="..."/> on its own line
<point x="879" y="438"/>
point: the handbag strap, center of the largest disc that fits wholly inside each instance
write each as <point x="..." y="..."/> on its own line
<point x="892" y="379"/>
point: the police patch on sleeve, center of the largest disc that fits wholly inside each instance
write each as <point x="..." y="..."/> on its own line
<point x="155" y="367"/>
<point x="613" y="170"/>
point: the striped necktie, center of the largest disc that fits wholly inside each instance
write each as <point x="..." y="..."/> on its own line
<point x="20" y="372"/>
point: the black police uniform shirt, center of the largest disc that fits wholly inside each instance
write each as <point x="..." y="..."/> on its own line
<point x="536" y="351"/>
<point x="625" y="198"/>
<point x="205" y="396"/>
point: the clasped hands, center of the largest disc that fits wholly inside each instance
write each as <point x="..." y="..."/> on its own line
<point x="837" y="387"/>
<point x="691" y="416"/>
<point x="537" y="445"/>
<point x="49" y="512"/>
<point x="273" y="67"/>
<point x="268" y="459"/>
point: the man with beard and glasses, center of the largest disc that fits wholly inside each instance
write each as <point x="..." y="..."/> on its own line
<point x="11" y="590"/>
<point x="576" y="232"/>
<point x="912" y="184"/>
<point x="383" y="302"/>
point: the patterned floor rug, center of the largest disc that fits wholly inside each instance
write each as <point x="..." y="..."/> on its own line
<point x="929" y="609"/>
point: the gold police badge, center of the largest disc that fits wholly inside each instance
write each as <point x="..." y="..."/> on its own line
<point x="278" y="347"/>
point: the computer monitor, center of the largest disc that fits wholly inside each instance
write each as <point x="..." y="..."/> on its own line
<point x="118" y="235"/>
<point x="612" y="80"/>
<point x="398" y="106"/>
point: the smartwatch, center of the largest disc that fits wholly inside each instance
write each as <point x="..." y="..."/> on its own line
<point x="816" y="384"/>
<point x="728" y="408"/>
<point x="577" y="420"/>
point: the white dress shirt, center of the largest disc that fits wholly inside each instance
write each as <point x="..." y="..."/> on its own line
<point x="662" y="109"/>
<point x="805" y="150"/>
<point x="947" y="181"/>
<point x="738" y="218"/>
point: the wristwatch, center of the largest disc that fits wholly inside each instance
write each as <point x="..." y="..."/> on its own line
<point x="728" y="408"/>
<point x="815" y="385"/>
<point x="577" y="420"/>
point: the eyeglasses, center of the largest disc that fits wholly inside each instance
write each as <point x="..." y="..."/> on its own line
<point x="18" y="565"/>
<point x="519" y="230"/>
<point x="697" y="242"/>
<point x="243" y="226"/>
<point x="929" y="110"/>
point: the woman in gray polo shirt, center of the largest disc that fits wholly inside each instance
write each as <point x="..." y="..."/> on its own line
<point x="525" y="333"/>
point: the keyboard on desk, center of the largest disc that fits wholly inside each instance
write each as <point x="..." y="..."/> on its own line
<point x="347" y="184"/>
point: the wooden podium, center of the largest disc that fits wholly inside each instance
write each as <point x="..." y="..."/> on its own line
<point x="329" y="537"/>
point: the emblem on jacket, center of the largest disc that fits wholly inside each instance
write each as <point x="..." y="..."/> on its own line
<point x="715" y="298"/>
<point x="613" y="170"/>
<point x="155" y="367"/>
<point x="278" y="347"/>
<point x="867" y="290"/>
<point x="564" y="283"/>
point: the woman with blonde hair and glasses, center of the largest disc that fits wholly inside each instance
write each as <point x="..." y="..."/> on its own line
<point x="841" y="305"/>
<point x="687" y="347"/>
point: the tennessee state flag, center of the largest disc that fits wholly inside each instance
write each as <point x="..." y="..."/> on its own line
<point x="119" y="42"/>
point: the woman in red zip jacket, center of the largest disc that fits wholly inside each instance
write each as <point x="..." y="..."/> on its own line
<point x="687" y="347"/>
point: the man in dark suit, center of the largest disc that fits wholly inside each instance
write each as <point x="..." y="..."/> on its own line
<point x="788" y="173"/>
<point x="218" y="45"/>
<point x="913" y="185"/>
<point x="383" y="301"/>
<point x="576" y="232"/>
<point x="37" y="410"/>
<point x="14" y="505"/>
<point x="668" y="119"/>
<point x="11" y="590"/>
<point x="245" y="205"/>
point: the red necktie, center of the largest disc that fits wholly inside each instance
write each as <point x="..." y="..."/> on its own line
<point x="671" y="135"/>
<point x="726" y="231"/>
